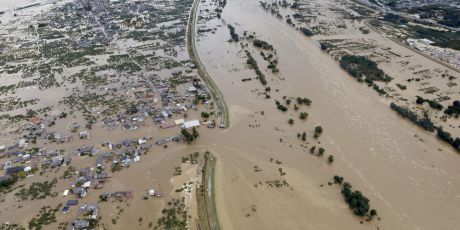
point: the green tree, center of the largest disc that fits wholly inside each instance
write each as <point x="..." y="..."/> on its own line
<point x="330" y="159"/>
<point x="204" y="114"/>
<point x="22" y="174"/>
<point x="303" y="115"/>
<point x="195" y="133"/>
<point x="188" y="137"/>
<point x="373" y="212"/>
<point x="338" y="179"/>
<point x="318" y="131"/>
<point x="321" y="151"/>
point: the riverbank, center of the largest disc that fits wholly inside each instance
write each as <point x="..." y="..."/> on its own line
<point x="191" y="48"/>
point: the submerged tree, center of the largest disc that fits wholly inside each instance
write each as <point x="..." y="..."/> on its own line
<point x="318" y="131"/>
<point x="188" y="137"/>
<point x="330" y="159"/>
<point x="195" y="133"/>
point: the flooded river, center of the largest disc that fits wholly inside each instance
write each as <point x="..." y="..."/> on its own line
<point x="411" y="178"/>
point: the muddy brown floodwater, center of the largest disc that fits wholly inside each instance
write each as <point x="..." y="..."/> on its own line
<point x="412" y="184"/>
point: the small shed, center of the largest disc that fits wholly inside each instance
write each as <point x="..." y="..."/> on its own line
<point x="142" y="141"/>
<point x="179" y="121"/>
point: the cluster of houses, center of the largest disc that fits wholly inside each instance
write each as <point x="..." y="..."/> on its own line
<point x="86" y="213"/>
<point x="28" y="160"/>
<point x="40" y="129"/>
<point x="159" y="103"/>
<point x="121" y="153"/>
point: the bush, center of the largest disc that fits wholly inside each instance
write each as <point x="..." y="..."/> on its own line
<point x="304" y="100"/>
<point x="204" y="114"/>
<point x="306" y="32"/>
<point x="330" y="159"/>
<point x="378" y="89"/>
<point x="321" y="151"/>
<point x="402" y="87"/>
<point x="318" y="131"/>
<point x="453" y="109"/>
<point x="37" y="190"/>
<point x="46" y="216"/>
<point x="281" y="107"/>
<point x="262" y="44"/>
<point x="338" y="179"/>
<point x="433" y="104"/>
<point x="373" y="212"/>
<point x="324" y="46"/>
<point x="303" y="116"/>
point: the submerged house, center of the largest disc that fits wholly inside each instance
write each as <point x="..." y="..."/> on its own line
<point x="84" y="135"/>
<point x="80" y="224"/>
<point x="190" y="124"/>
<point x="87" y="150"/>
<point x="72" y="202"/>
<point x="14" y="170"/>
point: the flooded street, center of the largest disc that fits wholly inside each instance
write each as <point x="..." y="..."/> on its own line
<point x="410" y="177"/>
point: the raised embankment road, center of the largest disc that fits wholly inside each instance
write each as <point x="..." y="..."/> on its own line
<point x="214" y="90"/>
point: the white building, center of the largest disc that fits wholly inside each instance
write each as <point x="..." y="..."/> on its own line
<point x="191" y="88"/>
<point x="87" y="184"/>
<point x="22" y="143"/>
<point x="179" y="121"/>
<point x="190" y="124"/>
<point x="142" y="141"/>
